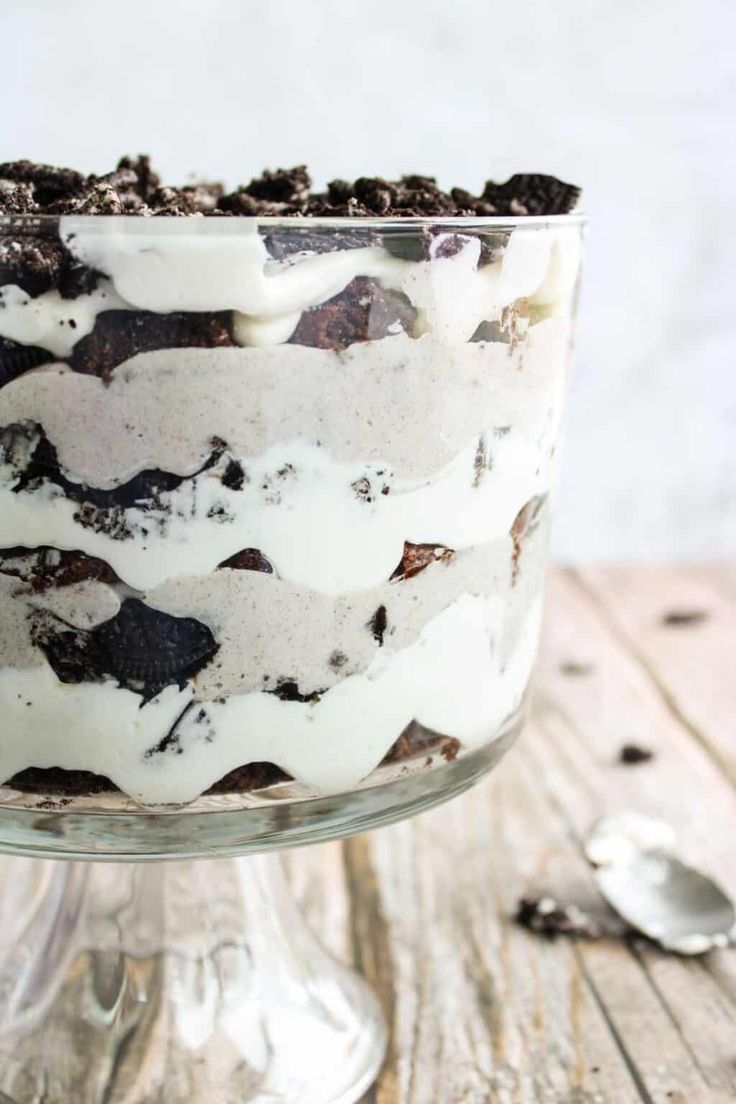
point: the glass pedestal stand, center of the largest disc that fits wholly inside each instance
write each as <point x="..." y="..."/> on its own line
<point x="174" y="982"/>
<point x="147" y="982"/>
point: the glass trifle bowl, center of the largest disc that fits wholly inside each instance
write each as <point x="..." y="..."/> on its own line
<point x="274" y="510"/>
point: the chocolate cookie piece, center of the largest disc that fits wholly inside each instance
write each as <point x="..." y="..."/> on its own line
<point x="15" y="359"/>
<point x="364" y="311"/>
<point x="531" y="194"/>
<point x="193" y="199"/>
<point x="47" y="183"/>
<point x="16" y="198"/>
<point x="283" y="192"/>
<point x="46" y="567"/>
<point x="144" y="490"/>
<point x="119" y="335"/>
<point x="38" y="262"/>
<point x="146" y="180"/>
<point x="142" y="648"/>
<point x="418" y="556"/>
<point x="31" y="262"/>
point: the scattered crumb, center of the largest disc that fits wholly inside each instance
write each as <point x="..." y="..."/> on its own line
<point x="49" y="804"/>
<point x="449" y="749"/>
<point x="545" y="916"/>
<point x="683" y="617"/>
<point x="631" y="754"/>
<point x="575" y="669"/>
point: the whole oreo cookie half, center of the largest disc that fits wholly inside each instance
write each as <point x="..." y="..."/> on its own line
<point x="142" y="648"/>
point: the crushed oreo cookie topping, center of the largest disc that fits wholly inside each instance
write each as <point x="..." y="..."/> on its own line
<point x="134" y="189"/>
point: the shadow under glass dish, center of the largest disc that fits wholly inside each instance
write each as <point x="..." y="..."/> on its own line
<point x="274" y="510"/>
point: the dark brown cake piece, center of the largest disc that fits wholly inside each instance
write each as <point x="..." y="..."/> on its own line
<point x="525" y="522"/>
<point x="119" y="335"/>
<point x="44" y="567"/>
<point x="364" y="311"/>
<point x="418" y="556"/>
<point x="249" y="559"/>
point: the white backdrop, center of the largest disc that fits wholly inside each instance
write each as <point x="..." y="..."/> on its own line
<point x="634" y="100"/>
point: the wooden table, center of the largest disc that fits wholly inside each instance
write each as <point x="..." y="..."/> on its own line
<point x="484" y="1012"/>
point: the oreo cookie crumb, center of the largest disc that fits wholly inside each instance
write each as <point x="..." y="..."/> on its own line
<point x="575" y="669"/>
<point x="288" y="690"/>
<point x="378" y="624"/>
<point x="545" y="916"/>
<point x="134" y="188"/>
<point x="684" y="618"/>
<point x="631" y="754"/>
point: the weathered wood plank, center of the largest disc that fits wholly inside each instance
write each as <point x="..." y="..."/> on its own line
<point x="481" y="1012"/>
<point x="582" y="720"/>
<point x="691" y="664"/>
<point x="484" y="1012"/>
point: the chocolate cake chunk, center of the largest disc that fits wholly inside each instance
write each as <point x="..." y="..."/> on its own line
<point x="418" y="740"/>
<point x="141" y="647"/>
<point x="119" y="335"/>
<point x="418" y="556"/>
<point x="46" y="567"/>
<point x="57" y="782"/>
<point x="364" y="311"/>
<point x="249" y="559"/>
<point x="525" y="522"/>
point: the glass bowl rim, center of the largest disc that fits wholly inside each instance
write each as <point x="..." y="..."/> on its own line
<point x="292" y="222"/>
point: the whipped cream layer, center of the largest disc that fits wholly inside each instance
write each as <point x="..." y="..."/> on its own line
<point x="325" y="525"/>
<point x="171" y="749"/>
<point x="213" y="268"/>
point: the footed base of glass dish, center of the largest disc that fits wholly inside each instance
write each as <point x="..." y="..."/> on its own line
<point x="142" y="984"/>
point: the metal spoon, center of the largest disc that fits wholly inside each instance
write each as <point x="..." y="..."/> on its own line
<point x="641" y="877"/>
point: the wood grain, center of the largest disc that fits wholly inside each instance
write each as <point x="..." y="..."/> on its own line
<point x="482" y="1012"/>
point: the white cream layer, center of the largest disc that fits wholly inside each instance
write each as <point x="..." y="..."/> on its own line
<point x="450" y="680"/>
<point x="412" y="405"/>
<point x="323" y="524"/>
<point x="50" y="322"/>
<point x="213" y="268"/>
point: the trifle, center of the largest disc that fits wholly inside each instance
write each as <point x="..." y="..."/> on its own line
<point x="275" y="476"/>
